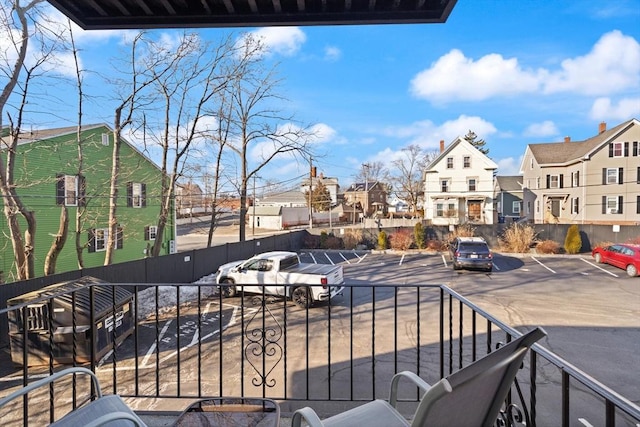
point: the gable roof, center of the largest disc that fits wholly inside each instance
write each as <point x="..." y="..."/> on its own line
<point x="509" y="183"/>
<point x="561" y="153"/>
<point x="363" y="186"/>
<point x="294" y="196"/>
<point x="459" y="141"/>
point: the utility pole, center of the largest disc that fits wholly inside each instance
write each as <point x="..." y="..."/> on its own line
<point x="310" y="193"/>
<point x="365" y="209"/>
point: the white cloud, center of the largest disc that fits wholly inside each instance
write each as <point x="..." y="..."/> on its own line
<point x="542" y="129"/>
<point x="509" y="166"/>
<point x="604" y="109"/>
<point x="455" y="77"/>
<point x="332" y="53"/>
<point x="612" y="66"/>
<point x="285" y="41"/>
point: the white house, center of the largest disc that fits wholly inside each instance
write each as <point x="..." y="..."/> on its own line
<point x="459" y="186"/>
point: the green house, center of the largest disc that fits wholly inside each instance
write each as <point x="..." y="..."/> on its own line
<point x="49" y="179"/>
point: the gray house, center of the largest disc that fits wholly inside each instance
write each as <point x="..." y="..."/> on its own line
<point x="508" y="198"/>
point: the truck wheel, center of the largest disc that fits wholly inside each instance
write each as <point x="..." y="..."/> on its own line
<point x="228" y="289"/>
<point x="301" y="296"/>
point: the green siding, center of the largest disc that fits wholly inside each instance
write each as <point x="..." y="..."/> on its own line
<point x="38" y="165"/>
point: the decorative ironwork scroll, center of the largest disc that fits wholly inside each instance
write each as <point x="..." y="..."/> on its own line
<point x="263" y="352"/>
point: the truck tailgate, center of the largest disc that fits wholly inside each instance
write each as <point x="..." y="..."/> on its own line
<point x="332" y="272"/>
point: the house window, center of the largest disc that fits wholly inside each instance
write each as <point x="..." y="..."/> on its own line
<point x="449" y="162"/>
<point x="554" y="181"/>
<point x="575" y="203"/>
<point x="444" y="185"/>
<point x="612" y="176"/>
<point x="99" y="239"/>
<point x="136" y="195"/>
<point x="105" y="139"/>
<point x="618" y="149"/>
<point x="467" y="162"/>
<point x="150" y="232"/>
<point x="451" y="210"/>
<point x="472" y="184"/>
<point x="537" y="183"/>
<point x="537" y="206"/>
<point x="515" y="207"/>
<point x="575" y="179"/>
<point x="70" y="190"/>
<point x="528" y="208"/>
<point x="531" y="167"/>
<point x="612" y="204"/>
<point x="439" y="209"/>
<point x="499" y="207"/>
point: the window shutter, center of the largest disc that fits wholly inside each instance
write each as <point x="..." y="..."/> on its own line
<point x="82" y="190"/>
<point x="129" y="194"/>
<point x="610" y="149"/>
<point x="92" y="240"/>
<point x="638" y="204"/>
<point x="638" y="177"/>
<point x="146" y="233"/>
<point x="635" y="148"/>
<point x="59" y="189"/>
<point x="626" y="149"/>
<point x="548" y="181"/>
<point x="577" y="205"/>
<point x="620" y="204"/>
<point x="620" y="176"/>
<point x="119" y="238"/>
<point x="604" y="204"/>
<point x="144" y="195"/>
<point x="561" y="180"/>
<point x="578" y="178"/>
<point x="604" y="176"/>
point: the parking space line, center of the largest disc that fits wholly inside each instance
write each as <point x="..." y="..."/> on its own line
<point x="598" y="267"/>
<point x="401" y="259"/>
<point x="536" y="260"/>
<point x="153" y="346"/>
<point x="345" y="258"/>
<point x="313" y="258"/>
<point x="327" y="255"/>
<point x="585" y="422"/>
<point x="363" y="257"/>
<point x="444" y="260"/>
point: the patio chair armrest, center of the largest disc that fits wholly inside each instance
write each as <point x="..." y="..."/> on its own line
<point x="419" y="382"/>
<point x="118" y="415"/>
<point x="309" y="415"/>
<point x="49" y="379"/>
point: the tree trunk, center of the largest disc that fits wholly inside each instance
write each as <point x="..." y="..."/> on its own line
<point x="113" y="192"/>
<point x="58" y="243"/>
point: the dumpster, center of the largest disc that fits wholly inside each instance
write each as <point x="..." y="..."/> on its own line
<point x="51" y="331"/>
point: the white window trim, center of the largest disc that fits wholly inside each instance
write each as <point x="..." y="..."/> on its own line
<point x="557" y="181"/>
<point x="469" y="183"/>
<point x="153" y="232"/>
<point x="612" y="173"/>
<point x="105" y="239"/>
<point x="619" y="145"/>
<point x="612" y="207"/>
<point x="68" y="199"/>
<point x="466" y="162"/>
<point x="574" y="179"/>
<point x="136" y="195"/>
<point x="448" y="183"/>
<point x="449" y="162"/>
<point x="515" y="207"/>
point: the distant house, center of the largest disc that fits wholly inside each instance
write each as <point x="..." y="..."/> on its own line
<point x="397" y="205"/>
<point x="459" y="186"/>
<point x="291" y="199"/>
<point x="330" y="183"/>
<point x="189" y="198"/>
<point x="48" y="182"/>
<point x="595" y="181"/>
<point x="508" y="198"/>
<point x="370" y="196"/>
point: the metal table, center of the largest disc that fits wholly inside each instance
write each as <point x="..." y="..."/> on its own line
<point x="231" y="412"/>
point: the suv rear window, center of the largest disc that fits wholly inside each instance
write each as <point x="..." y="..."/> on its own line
<point x="473" y="246"/>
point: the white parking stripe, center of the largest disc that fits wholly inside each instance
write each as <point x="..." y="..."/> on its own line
<point x="313" y="258"/>
<point x="585" y="422"/>
<point x="444" y="260"/>
<point x="327" y="255"/>
<point x="401" y="259"/>
<point x="598" y="267"/>
<point x="363" y="257"/>
<point x="344" y="258"/>
<point x="153" y="346"/>
<point x="536" y="260"/>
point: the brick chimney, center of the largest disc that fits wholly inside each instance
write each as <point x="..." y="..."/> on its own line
<point x="567" y="139"/>
<point x="602" y="127"/>
<point x="441" y="145"/>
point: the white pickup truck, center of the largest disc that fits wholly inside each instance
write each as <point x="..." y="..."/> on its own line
<point x="281" y="273"/>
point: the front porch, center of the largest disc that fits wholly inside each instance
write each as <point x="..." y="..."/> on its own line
<point x="190" y="343"/>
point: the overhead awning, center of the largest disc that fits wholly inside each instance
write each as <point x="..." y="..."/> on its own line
<point x="127" y="14"/>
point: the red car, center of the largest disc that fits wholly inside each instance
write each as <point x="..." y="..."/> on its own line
<point x="624" y="255"/>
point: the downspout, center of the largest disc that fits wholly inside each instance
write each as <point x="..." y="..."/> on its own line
<point x="584" y="192"/>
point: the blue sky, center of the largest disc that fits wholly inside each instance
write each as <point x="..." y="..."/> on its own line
<point x="514" y="72"/>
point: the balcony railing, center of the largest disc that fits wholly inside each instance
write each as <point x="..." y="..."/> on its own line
<point x="156" y="344"/>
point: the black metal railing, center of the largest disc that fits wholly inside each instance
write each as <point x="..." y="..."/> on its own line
<point x="190" y="341"/>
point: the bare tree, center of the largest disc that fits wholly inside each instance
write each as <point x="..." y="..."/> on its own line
<point x="257" y="118"/>
<point x="15" y="25"/>
<point x="144" y="70"/>
<point x="408" y="176"/>
<point x="199" y="73"/>
<point x="372" y="172"/>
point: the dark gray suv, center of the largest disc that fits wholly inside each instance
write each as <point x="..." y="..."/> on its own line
<point x="471" y="253"/>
